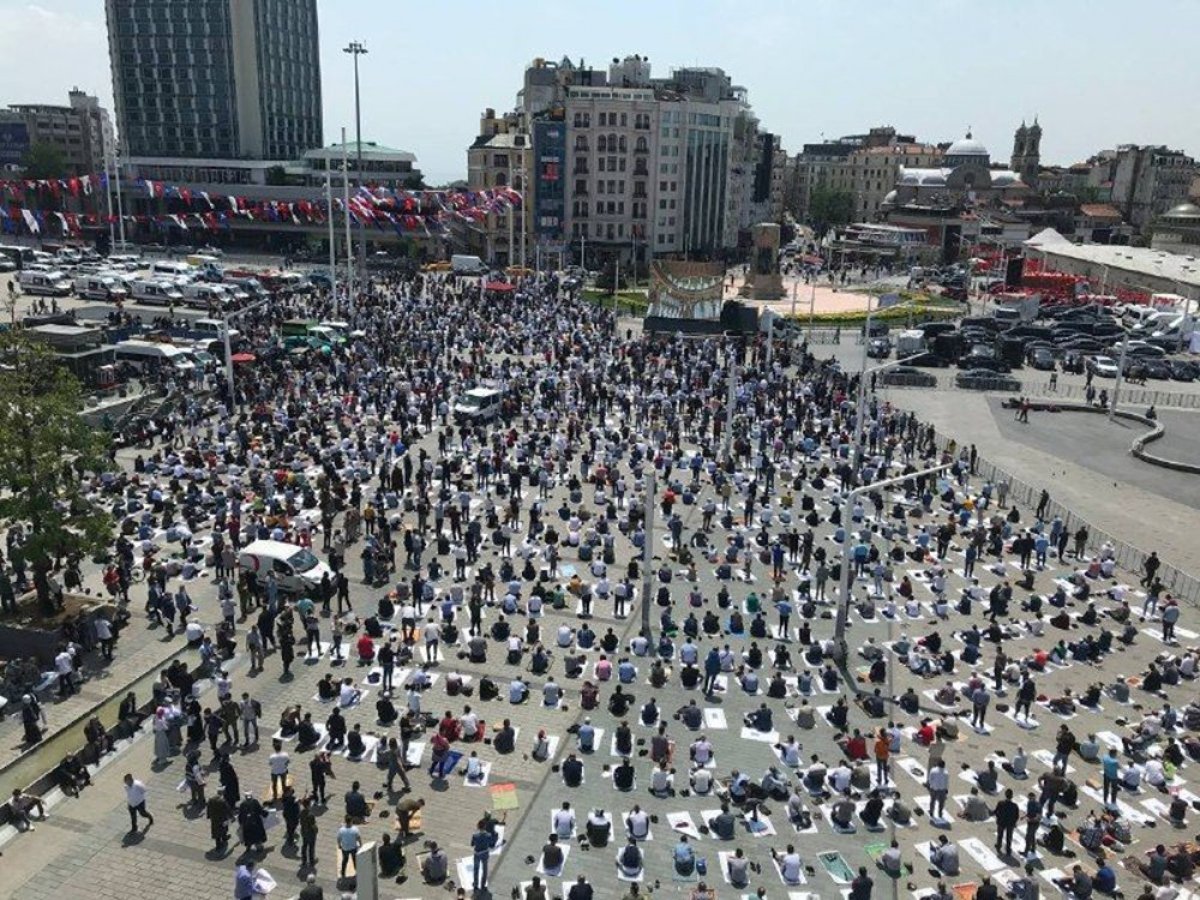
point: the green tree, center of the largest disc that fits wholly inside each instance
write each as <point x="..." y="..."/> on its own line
<point x="44" y="444"/>
<point x="414" y="183"/>
<point x="828" y="207"/>
<point x="44" y="160"/>
<point x="276" y="176"/>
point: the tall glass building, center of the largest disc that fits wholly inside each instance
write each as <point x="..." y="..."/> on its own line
<point x="216" y="79"/>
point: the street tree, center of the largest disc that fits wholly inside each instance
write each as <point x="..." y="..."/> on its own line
<point x="45" y="446"/>
<point x="43" y="160"/>
<point x="828" y="207"/>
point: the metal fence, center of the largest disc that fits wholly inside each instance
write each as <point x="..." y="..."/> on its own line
<point x="1130" y="394"/>
<point x="1181" y="585"/>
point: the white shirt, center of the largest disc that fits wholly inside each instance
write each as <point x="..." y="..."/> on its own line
<point x="62" y="663"/>
<point x="789" y="865"/>
<point x="135" y="794"/>
<point x="938" y="780"/>
<point x="278" y="763"/>
<point x="701" y="781"/>
<point x="516" y="691"/>
<point x="702" y="751"/>
<point x="564" y="824"/>
<point x="638" y="824"/>
<point x="430" y="632"/>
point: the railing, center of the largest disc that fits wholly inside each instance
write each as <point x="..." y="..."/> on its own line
<point x="1179" y="584"/>
<point x="1137" y="396"/>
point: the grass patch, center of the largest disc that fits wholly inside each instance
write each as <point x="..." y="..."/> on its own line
<point x="635" y="301"/>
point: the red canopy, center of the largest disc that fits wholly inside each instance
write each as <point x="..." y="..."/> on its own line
<point x="503" y="286"/>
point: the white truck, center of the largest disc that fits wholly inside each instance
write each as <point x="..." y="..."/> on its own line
<point x="910" y="343"/>
<point x="463" y="264"/>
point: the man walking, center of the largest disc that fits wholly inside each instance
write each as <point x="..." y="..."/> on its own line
<point x="135" y="799"/>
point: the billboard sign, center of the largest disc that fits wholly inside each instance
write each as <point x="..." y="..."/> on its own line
<point x="14" y="143"/>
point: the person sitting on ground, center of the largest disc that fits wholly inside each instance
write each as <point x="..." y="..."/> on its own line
<point x="630" y="860"/>
<point x="944" y="856"/>
<point x="436" y="864"/>
<point x="975" y="809"/>
<point x="842" y="815"/>
<point x="891" y="861"/>
<point x="20" y="806"/>
<point x="760" y="719"/>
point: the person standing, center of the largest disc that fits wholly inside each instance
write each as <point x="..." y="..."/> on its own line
<point x="135" y="799"/>
<point x="308" y="833"/>
<point x="481" y="845"/>
<point x="349" y="840"/>
<point x="1007" y="816"/>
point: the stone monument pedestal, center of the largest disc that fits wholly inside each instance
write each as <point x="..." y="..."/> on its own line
<point x="763" y="281"/>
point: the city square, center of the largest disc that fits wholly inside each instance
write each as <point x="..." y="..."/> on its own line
<point x="565" y="533"/>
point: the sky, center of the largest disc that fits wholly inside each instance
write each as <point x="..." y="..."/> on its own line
<point x="1096" y="73"/>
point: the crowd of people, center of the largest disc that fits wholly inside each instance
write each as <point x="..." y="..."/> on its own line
<point x="484" y="564"/>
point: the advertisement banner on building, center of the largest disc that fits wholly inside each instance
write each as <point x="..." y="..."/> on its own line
<point x="14" y="143"/>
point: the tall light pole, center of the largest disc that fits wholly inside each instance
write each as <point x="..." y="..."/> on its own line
<point x="843" y="609"/>
<point x="329" y="215"/>
<point x="1112" y="407"/>
<point x="356" y="49"/>
<point x="346" y="205"/>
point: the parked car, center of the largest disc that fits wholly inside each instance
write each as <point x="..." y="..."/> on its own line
<point x="1143" y="348"/>
<point x="986" y="380"/>
<point x="879" y="348"/>
<point x="907" y="376"/>
<point x="1156" y="369"/>
<point x="1041" y="358"/>
<point x="990" y="363"/>
<point x="929" y="361"/>
<point x="1102" y="366"/>
<point x="1183" y="370"/>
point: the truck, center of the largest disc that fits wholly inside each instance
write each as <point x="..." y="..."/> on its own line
<point x="909" y="343"/>
<point x="463" y="264"/>
<point x="1011" y="308"/>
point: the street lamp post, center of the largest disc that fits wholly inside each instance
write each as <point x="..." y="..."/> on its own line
<point x="843" y="610"/>
<point x="1112" y="408"/>
<point x="648" y="547"/>
<point x="346" y="205"/>
<point x="225" y="319"/>
<point x="357" y="49"/>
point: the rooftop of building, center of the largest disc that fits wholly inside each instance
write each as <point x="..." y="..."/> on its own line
<point x="370" y="150"/>
<point x="1101" y="211"/>
<point x="1136" y="260"/>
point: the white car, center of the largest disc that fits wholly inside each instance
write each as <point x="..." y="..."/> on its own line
<point x="1104" y="366"/>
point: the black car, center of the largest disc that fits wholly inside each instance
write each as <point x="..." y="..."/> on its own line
<point x="986" y="380"/>
<point x="1041" y="358"/>
<point x="990" y="363"/>
<point x="929" y="361"/>
<point x="879" y="348"/>
<point x="1183" y="370"/>
<point x="1149" y="351"/>
<point x="1156" y="368"/>
<point x="907" y="376"/>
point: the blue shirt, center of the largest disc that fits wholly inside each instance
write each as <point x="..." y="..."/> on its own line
<point x="1105" y="880"/>
<point x="1111" y="766"/>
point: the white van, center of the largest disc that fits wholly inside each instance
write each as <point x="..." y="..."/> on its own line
<point x="156" y="293"/>
<point x="202" y="296"/>
<point x="214" y="329"/>
<point x="467" y="265"/>
<point x="151" y="356"/>
<point x="100" y="287"/>
<point x="126" y="261"/>
<point x="52" y="283"/>
<point x="172" y="271"/>
<point x="297" y="570"/>
<point x="478" y="405"/>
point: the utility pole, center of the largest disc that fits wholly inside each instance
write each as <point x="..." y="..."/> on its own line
<point x="843" y="608"/>
<point x="357" y="49"/>
<point x="648" y="548"/>
<point x="729" y="405"/>
<point x="1112" y="407"/>
<point x="120" y="208"/>
<point x="329" y="215"/>
<point x="346" y="203"/>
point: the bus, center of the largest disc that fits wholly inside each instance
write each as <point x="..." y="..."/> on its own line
<point x="18" y="256"/>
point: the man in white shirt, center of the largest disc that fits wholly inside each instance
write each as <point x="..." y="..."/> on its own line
<point x="701" y="781"/>
<point x="469" y="721"/>
<point x="938" y="782"/>
<point x="278" y="763"/>
<point x="563" y="821"/>
<point x="790" y="865"/>
<point x="432" y="636"/>
<point x="839" y="778"/>
<point x="702" y="750"/>
<point x="135" y="799"/>
<point x="64" y="666"/>
<point x="551" y="693"/>
<point x="518" y="692"/>
<point x="637" y="823"/>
